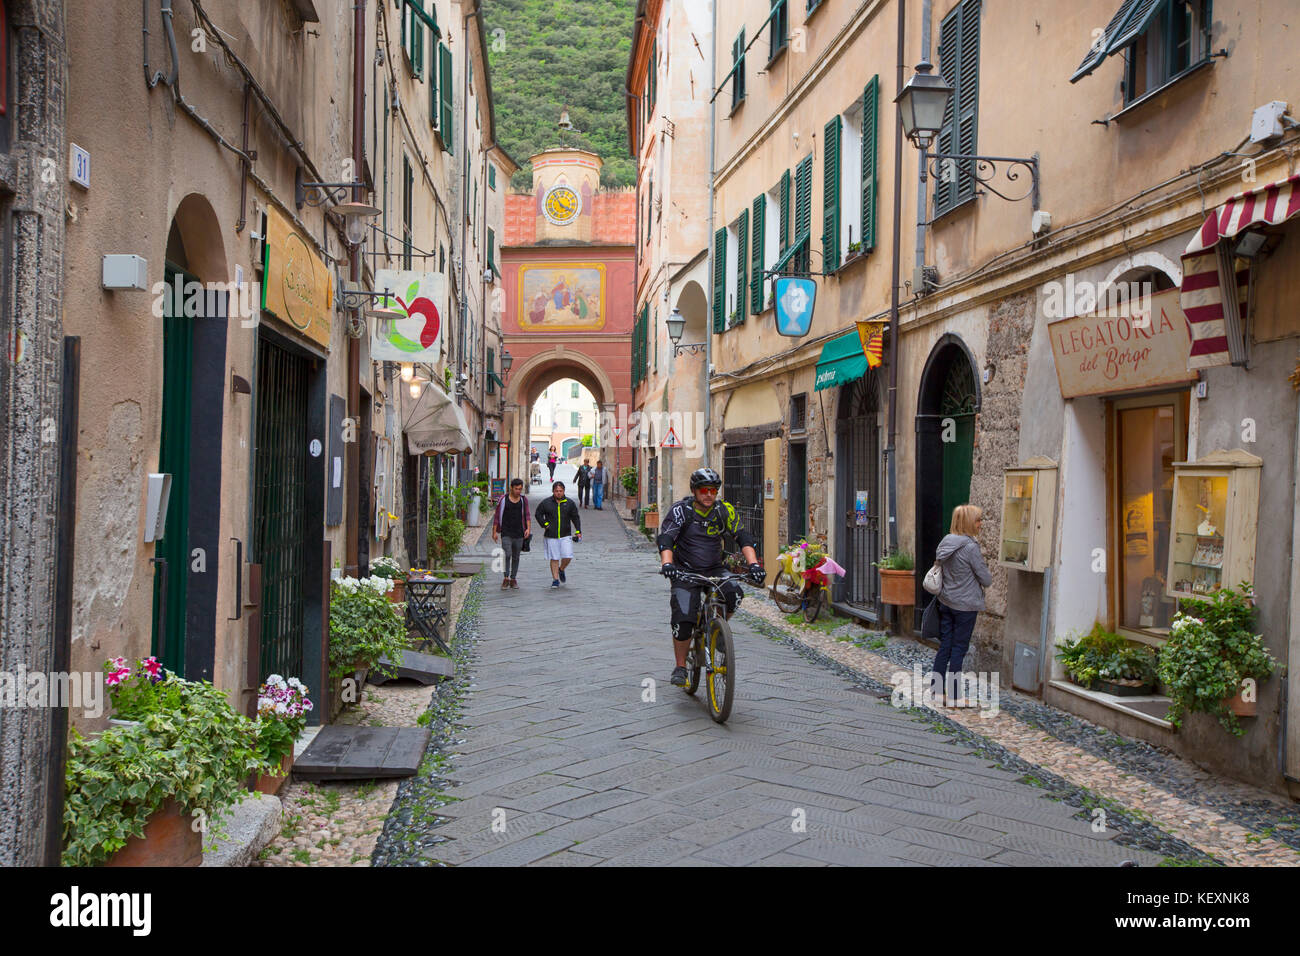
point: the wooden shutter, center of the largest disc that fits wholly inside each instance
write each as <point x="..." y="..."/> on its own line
<point x="491" y="245"/>
<point x="445" y="97"/>
<point x="417" y="43"/>
<point x="783" y="229"/>
<point x="802" y="210"/>
<point x="742" y="263"/>
<point x="959" y="65"/>
<point x="870" y="119"/>
<point x="719" y="280"/>
<point x="435" y="105"/>
<point x="756" y="257"/>
<point x="831" y="196"/>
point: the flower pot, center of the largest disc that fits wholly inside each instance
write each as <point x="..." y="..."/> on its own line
<point x="273" y="783"/>
<point x="170" y="839"/>
<point x="651" y="519"/>
<point x="1241" y="708"/>
<point x="398" y="594"/>
<point x="897" y="587"/>
<point x="1122" y="690"/>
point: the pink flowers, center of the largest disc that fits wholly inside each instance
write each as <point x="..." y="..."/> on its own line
<point x="153" y="667"/>
<point x="116" y="671"/>
<point x="282" y="699"/>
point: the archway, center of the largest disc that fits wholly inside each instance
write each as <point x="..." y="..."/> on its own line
<point x="947" y="404"/>
<point x="194" y="361"/>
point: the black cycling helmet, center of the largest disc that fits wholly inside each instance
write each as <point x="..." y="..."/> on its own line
<point x="705" y="476"/>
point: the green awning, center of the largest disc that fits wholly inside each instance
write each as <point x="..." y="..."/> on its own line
<point x="842" y="360"/>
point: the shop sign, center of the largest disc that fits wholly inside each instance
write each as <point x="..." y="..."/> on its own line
<point x="1115" y="351"/>
<point x="420" y="299"/>
<point x="298" y="286"/>
<point x="796" y="299"/>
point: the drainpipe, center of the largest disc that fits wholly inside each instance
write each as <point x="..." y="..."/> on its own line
<point x="636" y="275"/>
<point x="708" y="319"/>
<point x="891" y="450"/>
<point x="354" y="271"/>
<point x="921" y="191"/>
<point x="464" y="187"/>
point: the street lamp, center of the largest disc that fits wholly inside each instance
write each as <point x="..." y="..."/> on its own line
<point x="921" y="105"/>
<point x="507" y="360"/>
<point x="676" y="322"/>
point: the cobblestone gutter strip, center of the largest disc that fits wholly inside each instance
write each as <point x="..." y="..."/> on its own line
<point x="410" y="830"/>
<point x="1133" y="830"/>
<point x="1245" y="806"/>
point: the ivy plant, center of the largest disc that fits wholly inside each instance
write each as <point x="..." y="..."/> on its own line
<point x="200" y="754"/>
<point x="1211" y="649"/>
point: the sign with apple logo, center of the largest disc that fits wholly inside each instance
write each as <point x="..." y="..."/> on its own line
<point x="422" y="298"/>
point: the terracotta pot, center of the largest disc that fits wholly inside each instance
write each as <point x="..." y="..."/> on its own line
<point x="273" y="783"/>
<point x="398" y="594"/>
<point x="1242" y="708"/>
<point x="652" y="519"/>
<point x="169" y="840"/>
<point x="897" y="587"/>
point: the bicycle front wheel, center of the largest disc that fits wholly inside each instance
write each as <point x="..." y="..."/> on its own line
<point x="813" y="606"/>
<point x="720" y="675"/>
<point x="786" y="592"/>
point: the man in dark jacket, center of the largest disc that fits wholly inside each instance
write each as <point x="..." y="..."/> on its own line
<point x="584" y="483"/>
<point x="558" y="516"/>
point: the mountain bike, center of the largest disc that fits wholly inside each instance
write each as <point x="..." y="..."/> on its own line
<point x="712" y="650"/>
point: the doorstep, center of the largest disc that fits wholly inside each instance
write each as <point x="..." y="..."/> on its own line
<point x="1124" y="705"/>
<point x="249" y="828"/>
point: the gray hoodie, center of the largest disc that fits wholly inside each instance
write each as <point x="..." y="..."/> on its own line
<point x="965" y="575"/>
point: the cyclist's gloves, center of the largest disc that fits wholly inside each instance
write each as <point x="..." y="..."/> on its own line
<point x="670" y="571"/>
<point x="757" y="575"/>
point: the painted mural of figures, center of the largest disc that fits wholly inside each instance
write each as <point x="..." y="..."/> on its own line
<point x="560" y="293"/>
<point x="537" y="310"/>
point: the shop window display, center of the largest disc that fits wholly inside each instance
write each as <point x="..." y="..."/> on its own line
<point x="1215" y="513"/>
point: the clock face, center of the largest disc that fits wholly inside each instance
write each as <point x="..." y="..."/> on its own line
<point x="561" y="206"/>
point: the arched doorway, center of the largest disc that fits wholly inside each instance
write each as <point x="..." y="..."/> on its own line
<point x="187" y="557"/>
<point x="945" y="448"/>
<point x="858" y="470"/>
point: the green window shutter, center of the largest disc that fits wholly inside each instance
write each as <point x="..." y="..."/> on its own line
<point x="417" y="43"/>
<point x="491" y="370"/>
<point x="870" y="119"/>
<point x="492" y="176"/>
<point x="756" y="257"/>
<point x="803" y="209"/>
<point x="653" y="84"/>
<point x="831" y="196"/>
<point x="446" y="102"/>
<point x="783" y="230"/>
<point x="742" y="263"/>
<point x="491" y="245"/>
<point x="405" y="18"/>
<point x="719" y="280"/>
<point x="435" y="104"/>
<point x="959" y="65"/>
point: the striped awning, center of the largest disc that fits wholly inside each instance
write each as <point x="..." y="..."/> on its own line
<point x="1214" y="317"/>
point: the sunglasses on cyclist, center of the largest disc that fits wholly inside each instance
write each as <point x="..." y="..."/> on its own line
<point x="708" y="489"/>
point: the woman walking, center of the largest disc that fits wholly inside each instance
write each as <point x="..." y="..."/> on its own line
<point x="965" y="576"/>
<point x="511" y="523"/>
<point x="551" y="459"/>
<point x="598" y="485"/>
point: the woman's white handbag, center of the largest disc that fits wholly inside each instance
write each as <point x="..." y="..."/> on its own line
<point x="933" y="581"/>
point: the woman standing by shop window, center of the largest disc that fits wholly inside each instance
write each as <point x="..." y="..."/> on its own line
<point x="965" y="576"/>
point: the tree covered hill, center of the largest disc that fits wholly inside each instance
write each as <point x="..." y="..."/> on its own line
<point x="549" y="55"/>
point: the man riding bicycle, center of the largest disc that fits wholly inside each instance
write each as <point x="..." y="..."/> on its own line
<point x="691" y="539"/>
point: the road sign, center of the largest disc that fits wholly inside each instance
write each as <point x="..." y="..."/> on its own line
<point x="671" y="440"/>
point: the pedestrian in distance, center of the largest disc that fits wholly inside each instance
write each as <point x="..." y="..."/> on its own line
<point x="512" y="523"/>
<point x="965" y="576"/>
<point x="551" y="459"/>
<point x="561" y="526"/>
<point x="598" y="478"/>
<point x="584" y="483"/>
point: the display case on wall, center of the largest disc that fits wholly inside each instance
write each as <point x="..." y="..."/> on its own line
<point x="1028" y="510"/>
<point x="1216" y="511"/>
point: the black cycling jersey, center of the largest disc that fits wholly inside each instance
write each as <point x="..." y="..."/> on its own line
<point x="696" y="539"/>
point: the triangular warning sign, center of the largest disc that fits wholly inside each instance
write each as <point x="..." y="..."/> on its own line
<point x="670" y="440"/>
<point x="617" y="432"/>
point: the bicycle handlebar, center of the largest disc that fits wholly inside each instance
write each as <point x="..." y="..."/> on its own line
<point x="692" y="576"/>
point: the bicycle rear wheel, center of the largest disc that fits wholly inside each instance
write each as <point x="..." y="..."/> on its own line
<point x="693" y="659"/>
<point x="813" y="606"/>
<point x="721" y="672"/>
<point x="786" y="592"/>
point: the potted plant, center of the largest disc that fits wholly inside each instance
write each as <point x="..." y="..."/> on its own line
<point x="364" y="626"/>
<point x="282" y="708"/>
<point x="144" y="795"/>
<point x="855" y="250"/>
<point x="1104" y="661"/>
<point x="628" y="479"/>
<point x="650" y="514"/>
<point x="447" y="511"/>
<point x="1212" y="650"/>
<point x="897" y="574"/>
<point x="386" y="567"/>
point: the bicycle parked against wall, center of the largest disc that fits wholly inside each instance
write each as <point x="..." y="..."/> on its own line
<point x="808" y="591"/>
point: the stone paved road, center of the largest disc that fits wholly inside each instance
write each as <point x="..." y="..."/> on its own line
<point x="560" y="746"/>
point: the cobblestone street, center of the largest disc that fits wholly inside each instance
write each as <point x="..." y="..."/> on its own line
<point x="575" y="768"/>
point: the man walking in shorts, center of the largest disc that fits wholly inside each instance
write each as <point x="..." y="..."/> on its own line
<point x="558" y="516"/>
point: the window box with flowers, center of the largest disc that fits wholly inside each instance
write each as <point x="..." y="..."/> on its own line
<point x="144" y="793"/>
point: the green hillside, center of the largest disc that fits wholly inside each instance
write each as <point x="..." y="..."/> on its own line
<point x="548" y="55"/>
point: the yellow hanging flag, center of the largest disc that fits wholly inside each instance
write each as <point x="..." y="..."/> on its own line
<point x="872" y="336"/>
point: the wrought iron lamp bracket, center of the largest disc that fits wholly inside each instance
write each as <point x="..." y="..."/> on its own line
<point x="985" y="169"/>
<point x="318" y="194"/>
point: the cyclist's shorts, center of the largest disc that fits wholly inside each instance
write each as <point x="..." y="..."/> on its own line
<point x="684" y="599"/>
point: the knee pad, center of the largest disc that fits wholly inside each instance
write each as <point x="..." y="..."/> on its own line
<point x="683" y="631"/>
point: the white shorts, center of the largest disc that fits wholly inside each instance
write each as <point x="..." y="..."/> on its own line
<point x="557" y="549"/>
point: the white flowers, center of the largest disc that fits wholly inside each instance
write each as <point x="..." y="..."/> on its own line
<point x="377" y="584"/>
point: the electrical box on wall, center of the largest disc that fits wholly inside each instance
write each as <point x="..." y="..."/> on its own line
<point x="160" y="491"/>
<point x="125" y="272"/>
